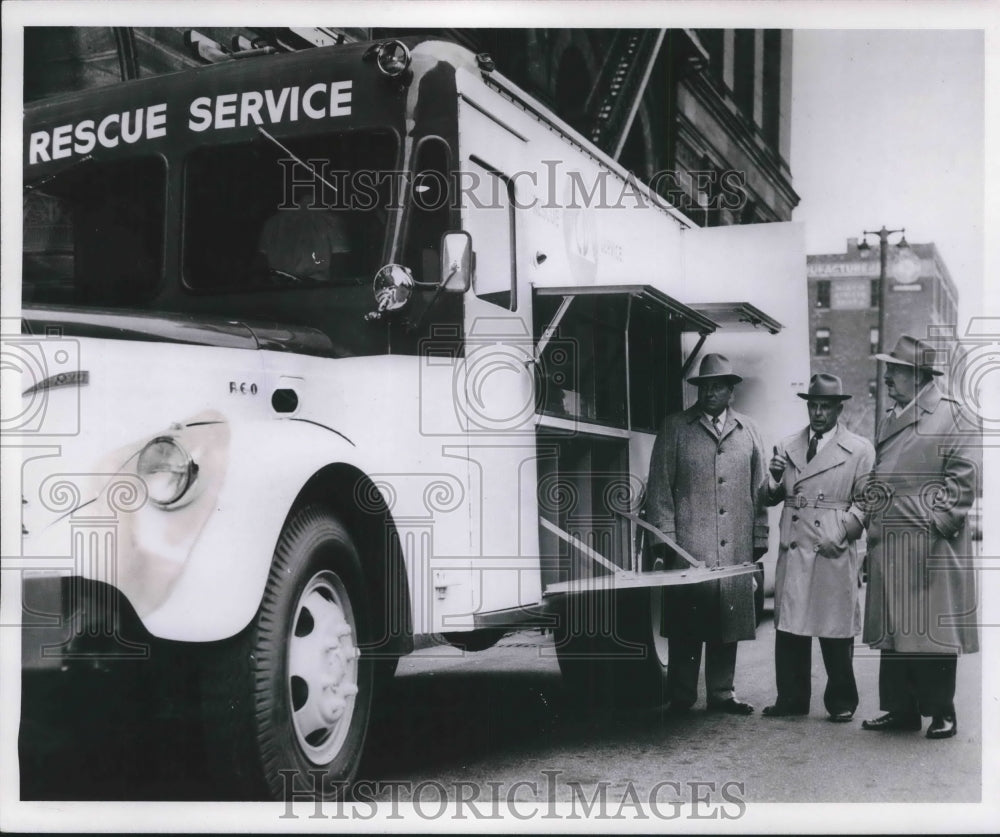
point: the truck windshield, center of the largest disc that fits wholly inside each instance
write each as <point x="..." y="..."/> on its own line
<point x="286" y="213"/>
<point x="281" y="230"/>
<point x="93" y="234"/>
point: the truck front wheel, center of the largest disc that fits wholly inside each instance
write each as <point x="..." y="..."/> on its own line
<point x="287" y="701"/>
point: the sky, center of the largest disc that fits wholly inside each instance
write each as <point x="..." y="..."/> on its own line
<point x="888" y="128"/>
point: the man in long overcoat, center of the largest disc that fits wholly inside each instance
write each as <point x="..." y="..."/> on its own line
<point x="921" y="605"/>
<point x="816" y="472"/>
<point x="707" y="475"/>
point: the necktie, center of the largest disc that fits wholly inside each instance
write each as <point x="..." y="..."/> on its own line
<point x="717" y="424"/>
<point x="811" y="450"/>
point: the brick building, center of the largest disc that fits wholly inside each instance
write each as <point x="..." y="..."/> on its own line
<point x="921" y="300"/>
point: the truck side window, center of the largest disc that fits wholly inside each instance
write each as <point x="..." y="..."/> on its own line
<point x="488" y="214"/>
<point x="429" y="208"/>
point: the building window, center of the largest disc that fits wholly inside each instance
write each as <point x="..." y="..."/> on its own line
<point x="822" y="342"/>
<point x="743" y="70"/>
<point x="823" y="293"/>
<point x="872" y="387"/>
<point x="876" y="287"/>
<point x="873" y="340"/>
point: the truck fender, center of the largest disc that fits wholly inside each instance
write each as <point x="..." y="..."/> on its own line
<point x="269" y="464"/>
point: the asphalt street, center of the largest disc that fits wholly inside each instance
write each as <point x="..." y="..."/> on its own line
<point x="503" y="716"/>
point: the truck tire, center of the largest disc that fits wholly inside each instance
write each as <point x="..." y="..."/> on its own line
<point x="287" y="701"/>
<point x="610" y="650"/>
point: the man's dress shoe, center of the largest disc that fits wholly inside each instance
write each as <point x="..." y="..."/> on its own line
<point x="731" y="707"/>
<point x="893" y="721"/>
<point x="942" y="726"/>
<point x="841" y="717"/>
<point x="779" y="711"/>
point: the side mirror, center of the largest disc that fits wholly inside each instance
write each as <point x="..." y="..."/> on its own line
<point x="456" y="262"/>
<point x="393" y="287"/>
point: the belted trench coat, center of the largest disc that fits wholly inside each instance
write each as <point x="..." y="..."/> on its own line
<point x="706" y="492"/>
<point x="818" y="574"/>
<point x="921" y="582"/>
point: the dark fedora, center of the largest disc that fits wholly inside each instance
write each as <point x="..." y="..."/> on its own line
<point x="914" y="353"/>
<point x="713" y="367"/>
<point x="824" y="386"/>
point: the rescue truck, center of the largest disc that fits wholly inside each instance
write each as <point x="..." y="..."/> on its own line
<point x="333" y="354"/>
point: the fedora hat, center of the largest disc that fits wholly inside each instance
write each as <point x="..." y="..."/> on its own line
<point x="714" y="366"/>
<point x="912" y="352"/>
<point x="825" y="386"/>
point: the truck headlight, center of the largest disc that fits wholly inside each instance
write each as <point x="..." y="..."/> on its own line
<point x="392" y="58"/>
<point x="167" y="469"/>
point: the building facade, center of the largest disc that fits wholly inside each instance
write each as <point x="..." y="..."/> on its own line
<point x="703" y="116"/>
<point x="844" y="294"/>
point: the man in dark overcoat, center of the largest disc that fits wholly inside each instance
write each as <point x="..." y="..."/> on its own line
<point x="921" y="603"/>
<point x="707" y="475"/>
<point x="816" y="473"/>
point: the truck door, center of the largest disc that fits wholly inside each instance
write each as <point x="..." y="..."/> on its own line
<point x="494" y="389"/>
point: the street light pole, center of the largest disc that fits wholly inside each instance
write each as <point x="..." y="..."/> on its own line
<point x="883" y="296"/>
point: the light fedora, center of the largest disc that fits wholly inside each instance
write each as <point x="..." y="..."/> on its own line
<point x="712" y="367"/>
<point x="912" y="352"/>
<point x="825" y="386"/>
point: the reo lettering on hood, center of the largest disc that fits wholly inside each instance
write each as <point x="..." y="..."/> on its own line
<point x="323" y="100"/>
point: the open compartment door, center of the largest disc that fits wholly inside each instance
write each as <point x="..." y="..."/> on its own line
<point x="731" y="274"/>
<point x="608" y="358"/>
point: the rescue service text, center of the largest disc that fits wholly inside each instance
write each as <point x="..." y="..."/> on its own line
<point x="227" y="110"/>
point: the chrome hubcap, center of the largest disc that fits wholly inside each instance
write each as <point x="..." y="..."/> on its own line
<point x="322" y="667"/>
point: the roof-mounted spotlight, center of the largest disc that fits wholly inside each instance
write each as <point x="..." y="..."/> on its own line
<point x="486" y="62"/>
<point x="392" y="58"/>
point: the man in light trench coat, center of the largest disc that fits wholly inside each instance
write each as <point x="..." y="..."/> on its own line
<point x="818" y="577"/>
<point x="707" y="475"/>
<point x="920" y="610"/>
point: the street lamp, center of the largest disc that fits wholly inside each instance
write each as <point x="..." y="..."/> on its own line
<point x="883" y="296"/>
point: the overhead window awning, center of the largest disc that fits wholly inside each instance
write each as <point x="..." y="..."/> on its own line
<point x="688" y="317"/>
<point x="737" y="316"/>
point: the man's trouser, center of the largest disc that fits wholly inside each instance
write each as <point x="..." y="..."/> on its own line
<point x="683" y="665"/>
<point x="917" y="683"/>
<point x="793" y="672"/>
